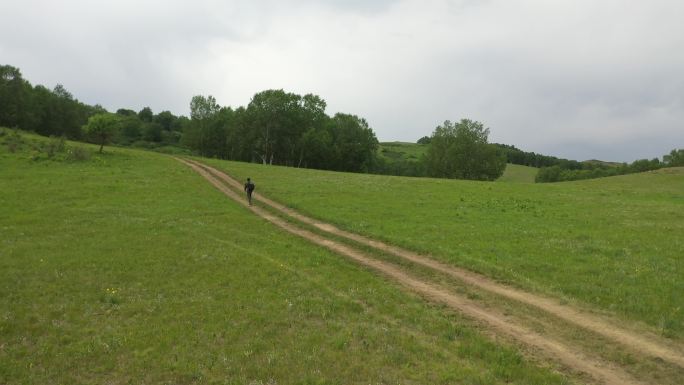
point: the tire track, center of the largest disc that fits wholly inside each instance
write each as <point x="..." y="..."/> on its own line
<point x="568" y="357"/>
<point x="644" y="344"/>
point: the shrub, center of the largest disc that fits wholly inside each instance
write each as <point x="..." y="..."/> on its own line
<point x="14" y="141"/>
<point x="54" y="146"/>
<point x="78" y="153"/>
<point x="142" y="144"/>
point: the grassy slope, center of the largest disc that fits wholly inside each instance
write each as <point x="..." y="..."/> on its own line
<point x="518" y="173"/>
<point x="613" y="243"/>
<point x="130" y="268"/>
<point x="401" y="150"/>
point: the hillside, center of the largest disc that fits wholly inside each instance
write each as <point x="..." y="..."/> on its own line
<point x="610" y="243"/>
<point x="127" y="267"/>
<point x="602" y="163"/>
<point x="402" y="150"/>
<point x="155" y="276"/>
<point x="518" y="174"/>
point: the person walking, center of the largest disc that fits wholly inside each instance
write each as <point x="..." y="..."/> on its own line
<point x="249" y="188"/>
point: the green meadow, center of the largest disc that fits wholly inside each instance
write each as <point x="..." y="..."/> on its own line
<point x="612" y="245"/>
<point x="127" y="267"/>
<point x="402" y="150"/>
<point x="518" y="174"/>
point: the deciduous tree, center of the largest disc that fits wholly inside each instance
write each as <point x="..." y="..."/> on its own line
<point x="674" y="158"/>
<point x="101" y="128"/>
<point x="461" y="151"/>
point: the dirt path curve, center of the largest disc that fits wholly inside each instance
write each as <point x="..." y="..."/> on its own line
<point x="575" y="360"/>
<point x="645" y="344"/>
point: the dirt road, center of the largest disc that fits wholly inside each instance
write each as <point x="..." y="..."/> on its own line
<point x="572" y="358"/>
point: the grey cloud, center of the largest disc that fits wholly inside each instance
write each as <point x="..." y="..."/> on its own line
<point x="355" y="6"/>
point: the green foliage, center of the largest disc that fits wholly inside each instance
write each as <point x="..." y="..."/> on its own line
<point x="167" y="120"/>
<point x="47" y="112"/>
<point x="102" y="127"/>
<point x="38" y="148"/>
<point x="138" y="271"/>
<point x="204" y="133"/>
<point x="172" y="150"/>
<point x="126" y="112"/>
<point x="55" y="146"/>
<point x="146" y="115"/>
<point x="460" y="151"/>
<point x="531" y="159"/>
<point x="674" y="158"/>
<point x="153" y="132"/>
<point x="12" y="96"/>
<point x="277" y="120"/>
<point x="11" y="139"/>
<point x="57" y="113"/>
<point x="549" y="174"/>
<point x="130" y="129"/>
<point x="398" y="158"/>
<point x="316" y="146"/>
<point x="354" y="143"/>
<point x="202" y="108"/>
<point x="424" y="140"/>
<point x="78" y="153"/>
<point x="403" y="150"/>
<point x="408" y="159"/>
<point x="558" y="170"/>
<point x="282" y="128"/>
<point x="611" y="243"/>
<point x="592" y="171"/>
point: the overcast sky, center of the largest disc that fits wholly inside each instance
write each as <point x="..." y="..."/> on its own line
<point x="579" y="79"/>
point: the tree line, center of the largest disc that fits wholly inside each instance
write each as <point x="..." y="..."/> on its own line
<point x="39" y="109"/>
<point x="553" y="169"/>
<point x="276" y="127"/>
<point x="283" y="128"/>
<point x="532" y="159"/>
<point x="55" y="112"/>
<point x="591" y="170"/>
<point x="455" y="150"/>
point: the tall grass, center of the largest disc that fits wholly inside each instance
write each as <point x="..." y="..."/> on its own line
<point x="613" y="244"/>
<point x="130" y="268"/>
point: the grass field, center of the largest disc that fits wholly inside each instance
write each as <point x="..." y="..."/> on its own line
<point x="611" y="244"/>
<point x="518" y="174"/>
<point x="128" y="268"/>
<point x="402" y="150"/>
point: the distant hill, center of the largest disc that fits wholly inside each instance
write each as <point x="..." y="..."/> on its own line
<point x="403" y="158"/>
<point x="399" y="157"/>
<point x="402" y="150"/>
<point x="405" y="151"/>
<point x="518" y="174"/>
<point x="602" y="163"/>
<point x="669" y="171"/>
